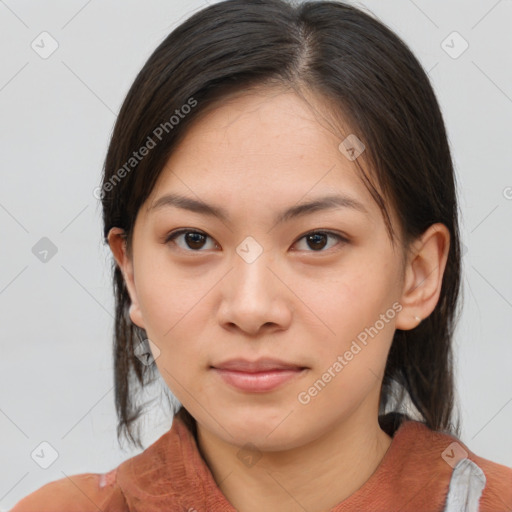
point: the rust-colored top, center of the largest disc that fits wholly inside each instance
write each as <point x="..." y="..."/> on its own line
<point x="170" y="475"/>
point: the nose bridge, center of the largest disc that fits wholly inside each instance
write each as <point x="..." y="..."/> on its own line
<point x="251" y="272"/>
<point x="253" y="296"/>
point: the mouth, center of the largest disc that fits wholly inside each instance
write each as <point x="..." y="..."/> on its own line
<point x="257" y="376"/>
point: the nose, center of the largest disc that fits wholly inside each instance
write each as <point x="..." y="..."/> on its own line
<point x="255" y="297"/>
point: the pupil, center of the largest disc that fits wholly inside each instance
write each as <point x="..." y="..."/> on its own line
<point x="317" y="238"/>
<point x="190" y="240"/>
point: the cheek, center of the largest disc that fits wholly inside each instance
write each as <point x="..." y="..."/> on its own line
<point x="166" y="294"/>
<point x="171" y="302"/>
<point x="349" y="368"/>
<point x="343" y="301"/>
<point x="357" y="318"/>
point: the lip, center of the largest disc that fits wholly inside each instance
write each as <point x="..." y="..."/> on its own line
<point x="259" y="365"/>
<point x="257" y="376"/>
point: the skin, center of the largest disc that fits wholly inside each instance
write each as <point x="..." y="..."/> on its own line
<point x="256" y="155"/>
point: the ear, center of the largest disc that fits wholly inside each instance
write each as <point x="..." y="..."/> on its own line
<point x="425" y="265"/>
<point x="117" y="243"/>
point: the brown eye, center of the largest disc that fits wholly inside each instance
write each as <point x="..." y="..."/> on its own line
<point x="194" y="241"/>
<point x="318" y="240"/>
<point x="191" y="240"/>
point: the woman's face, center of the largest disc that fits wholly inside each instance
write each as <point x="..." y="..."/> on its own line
<point x="252" y="284"/>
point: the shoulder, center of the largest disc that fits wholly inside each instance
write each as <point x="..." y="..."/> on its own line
<point x="497" y="493"/>
<point x="77" y="493"/>
<point x="443" y="450"/>
<point x="160" y="464"/>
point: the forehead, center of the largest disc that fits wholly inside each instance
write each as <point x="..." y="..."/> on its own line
<point x="269" y="147"/>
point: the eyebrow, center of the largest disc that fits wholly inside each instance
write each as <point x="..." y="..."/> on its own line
<point x="329" y="202"/>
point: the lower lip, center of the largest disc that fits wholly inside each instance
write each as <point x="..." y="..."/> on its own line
<point x="258" y="382"/>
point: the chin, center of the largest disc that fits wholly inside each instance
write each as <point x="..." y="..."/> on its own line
<point x="269" y="432"/>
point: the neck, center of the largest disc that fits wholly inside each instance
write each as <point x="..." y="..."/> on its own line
<point x="301" y="478"/>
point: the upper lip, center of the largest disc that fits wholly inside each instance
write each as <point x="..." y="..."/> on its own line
<point x="263" y="364"/>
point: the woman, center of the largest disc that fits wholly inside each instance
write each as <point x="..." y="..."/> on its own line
<point x="280" y="202"/>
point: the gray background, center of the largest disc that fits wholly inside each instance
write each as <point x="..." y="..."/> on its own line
<point x="56" y="118"/>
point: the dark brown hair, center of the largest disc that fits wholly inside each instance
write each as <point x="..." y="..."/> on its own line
<point x="372" y="83"/>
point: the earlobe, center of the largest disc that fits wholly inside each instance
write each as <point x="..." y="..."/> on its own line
<point x="117" y="243"/>
<point x="423" y="276"/>
<point x="135" y="315"/>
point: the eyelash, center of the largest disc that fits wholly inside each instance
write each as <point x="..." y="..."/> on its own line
<point x="174" y="234"/>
